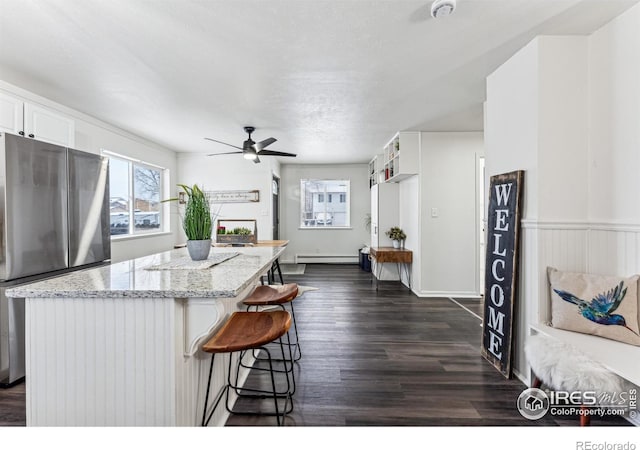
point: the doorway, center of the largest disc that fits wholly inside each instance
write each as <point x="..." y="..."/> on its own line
<point x="482" y="220"/>
<point x="275" y="193"/>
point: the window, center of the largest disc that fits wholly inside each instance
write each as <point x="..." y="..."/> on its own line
<point x="135" y="190"/>
<point x="315" y="212"/>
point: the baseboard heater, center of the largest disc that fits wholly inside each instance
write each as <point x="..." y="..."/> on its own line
<point x="327" y="259"/>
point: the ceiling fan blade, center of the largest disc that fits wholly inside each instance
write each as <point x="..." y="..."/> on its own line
<point x="274" y="153"/>
<point x="262" y="144"/>
<point x="224" y="143"/>
<point x="225" y="153"/>
<point x="256" y="160"/>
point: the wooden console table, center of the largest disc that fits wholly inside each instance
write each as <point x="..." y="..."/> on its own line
<point x="402" y="257"/>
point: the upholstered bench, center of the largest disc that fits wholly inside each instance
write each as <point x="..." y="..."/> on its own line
<point x="588" y="335"/>
<point x="562" y="367"/>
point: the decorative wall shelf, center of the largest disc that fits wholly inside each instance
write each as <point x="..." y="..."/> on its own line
<point x="233" y="196"/>
<point x="376" y="170"/>
<point x="401" y="156"/>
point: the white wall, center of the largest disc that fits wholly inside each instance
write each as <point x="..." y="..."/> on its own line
<point x="511" y="123"/>
<point x="571" y="106"/>
<point x="614" y="121"/>
<point x="328" y="242"/>
<point x="92" y="135"/>
<point x="562" y="128"/>
<point x="409" y="195"/>
<point x="542" y="89"/>
<point x="231" y="173"/>
<point x="449" y="242"/>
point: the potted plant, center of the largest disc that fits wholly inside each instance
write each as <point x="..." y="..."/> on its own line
<point x="197" y="222"/>
<point x="397" y="236"/>
<point x="229" y="233"/>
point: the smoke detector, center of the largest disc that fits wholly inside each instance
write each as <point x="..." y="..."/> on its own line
<point x="442" y="8"/>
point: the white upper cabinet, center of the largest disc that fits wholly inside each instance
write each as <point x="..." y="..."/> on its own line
<point x="27" y="119"/>
<point x="11" y="114"/>
<point x="45" y="125"/>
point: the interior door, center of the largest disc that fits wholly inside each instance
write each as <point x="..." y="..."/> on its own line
<point x="374" y="215"/>
<point x="275" y="191"/>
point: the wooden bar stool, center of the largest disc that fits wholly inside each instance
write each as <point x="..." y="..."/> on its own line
<point x="278" y="296"/>
<point x="250" y="331"/>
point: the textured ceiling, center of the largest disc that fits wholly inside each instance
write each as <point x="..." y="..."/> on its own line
<point x="331" y="80"/>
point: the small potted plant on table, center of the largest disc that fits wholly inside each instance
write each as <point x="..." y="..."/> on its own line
<point x="397" y="236"/>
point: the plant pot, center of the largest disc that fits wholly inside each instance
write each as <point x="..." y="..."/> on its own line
<point x="236" y="239"/>
<point x="396" y="243"/>
<point x="199" y="250"/>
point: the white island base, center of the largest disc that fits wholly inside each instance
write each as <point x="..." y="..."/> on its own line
<point x="116" y="362"/>
<point x="127" y="358"/>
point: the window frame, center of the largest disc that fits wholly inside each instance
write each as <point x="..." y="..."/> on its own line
<point x="311" y="223"/>
<point x="131" y="193"/>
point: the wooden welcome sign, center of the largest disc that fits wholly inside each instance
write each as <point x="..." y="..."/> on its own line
<point x="501" y="269"/>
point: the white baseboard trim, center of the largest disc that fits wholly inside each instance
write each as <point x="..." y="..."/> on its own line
<point x="447" y="294"/>
<point x="287" y="261"/>
<point x="326" y="259"/>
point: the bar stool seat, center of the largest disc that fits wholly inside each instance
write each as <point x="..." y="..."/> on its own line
<point x="250" y="331"/>
<point x="246" y="330"/>
<point x="272" y="295"/>
<point x="276" y="295"/>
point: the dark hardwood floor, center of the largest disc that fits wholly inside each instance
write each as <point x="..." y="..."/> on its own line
<point x="382" y="358"/>
<point x="389" y="358"/>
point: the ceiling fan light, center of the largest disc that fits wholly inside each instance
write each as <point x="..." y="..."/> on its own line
<point x="250" y="155"/>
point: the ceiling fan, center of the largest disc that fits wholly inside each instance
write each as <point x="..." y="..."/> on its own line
<point x="250" y="149"/>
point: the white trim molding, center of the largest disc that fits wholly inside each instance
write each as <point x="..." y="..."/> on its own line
<point x="447" y="294"/>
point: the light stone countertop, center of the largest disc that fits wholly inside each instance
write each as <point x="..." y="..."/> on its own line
<point x="131" y="279"/>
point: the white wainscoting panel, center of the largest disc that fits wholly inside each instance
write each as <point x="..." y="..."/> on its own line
<point x="544" y="244"/>
<point x="123" y="361"/>
<point x="614" y="249"/>
<point x="89" y="374"/>
<point x="608" y="249"/>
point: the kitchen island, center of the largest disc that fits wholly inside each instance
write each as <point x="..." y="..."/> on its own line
<point x="119" y="345"/>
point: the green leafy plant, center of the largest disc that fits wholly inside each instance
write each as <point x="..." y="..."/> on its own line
<point x="242" y="230"/>
<point x="367" y="221"/>
<point x="197" y="221"/>
<point x="396" y="234"/>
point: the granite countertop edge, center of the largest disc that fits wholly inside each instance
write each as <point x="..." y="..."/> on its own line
<point x="26" y="291"/>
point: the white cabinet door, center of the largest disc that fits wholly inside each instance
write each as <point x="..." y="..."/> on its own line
<point x="389" y="211"/>
<point x="11" y="117"/>
<point x="46" y="125"/>
<point x="374" y="215"/>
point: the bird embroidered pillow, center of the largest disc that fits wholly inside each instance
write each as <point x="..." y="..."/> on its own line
<point x="605" y="306"/>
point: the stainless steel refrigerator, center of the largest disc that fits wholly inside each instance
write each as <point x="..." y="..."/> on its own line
<point x="54" y="218"/>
